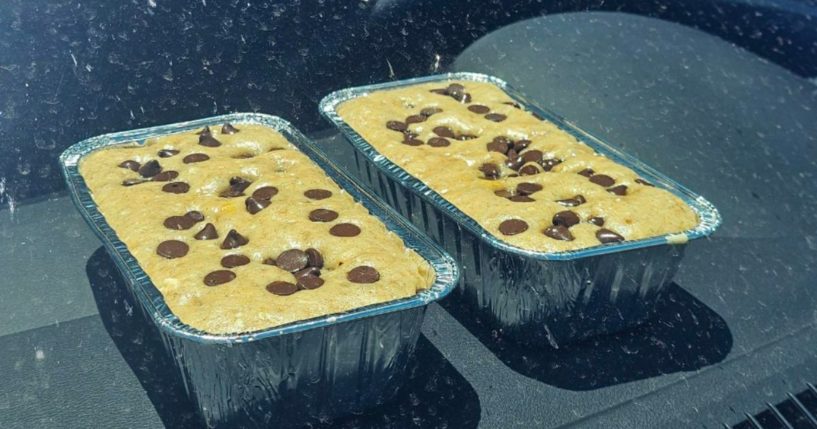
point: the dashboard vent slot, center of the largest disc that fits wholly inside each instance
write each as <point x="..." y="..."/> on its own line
<point x="798" y="411"/>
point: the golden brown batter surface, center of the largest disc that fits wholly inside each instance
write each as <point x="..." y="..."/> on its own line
<point x="301" y="246"/>
<point x="529" y="183"/>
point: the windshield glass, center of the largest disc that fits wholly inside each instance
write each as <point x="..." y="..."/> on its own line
<point x="715" y="99"/>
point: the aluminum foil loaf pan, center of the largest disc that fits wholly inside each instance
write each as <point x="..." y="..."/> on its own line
<point x="312" y="369"/>
<point x="534" y="297"/>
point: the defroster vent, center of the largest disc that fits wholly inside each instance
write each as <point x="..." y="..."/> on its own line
<point x="798" y="411"/>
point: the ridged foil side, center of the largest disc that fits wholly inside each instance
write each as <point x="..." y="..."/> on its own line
<point x="312" y="375"/>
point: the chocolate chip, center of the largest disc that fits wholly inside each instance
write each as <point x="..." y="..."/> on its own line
<point x="255" y="205"/>
<point x="130" y="165"/>
<point x="318" y="194"/>
<point x="521" y="145"/>
<point x="514" y="163"/>
<point x="167" y="153"/>
<point x="496" y="117"/>
<point x="490" y="170"/>
<point x="314" y="258"/>
<point x="131" y="182"/>
<point x="462" y="137"/>
<point x="572" y="202"/>
<point x="232" y="261"/>
<point x="204" y="131"/>
<point x="207" y="233"/>
<point x="195" y="157"/>
<point x="596" y="220"/>
<point x="219" y="277"/>
<point x="529" y="170"/>
<point x="363" y="274"/>
<point x="532" y="155"/>
<point x="172" y="249"/>
<point x="233" y="240"/>
<point x="165" y="176"/>
<point x="310" y="282"/>
<point x="413" y="142"/>
<point x="618" y="190"/>
<point x="521" y="199"/>
<point x="239" y="183"/>
<point x="587" y="172"/>
<point x="323" y="215"/>
<point x="270" y="261"/>
<point x="643" y="182"/>
<point x="408" y="135"/>
<point x="605" y="236"/>
<point x="282" y="288"/>
<point x="548" y="164"/>
<point x="457" y="92"/>
<point x="428" y="111"/>
<point x="566" y="218"/>
<point x="345" y="230"/>
<point x="602" y="180"/>
<point x="150" y="168"/>
<point x="438" y="142"/>
<point x="558" y="232"/>
<point x="237" y="187"/>
<point x="228" y="128"/>
<point x="265" y="193"/>
<point x="292" y="260"/>
<point x="526" y="188"/>
<point x="511" y="103"/>
<point x="208" y="141"/>
<point x="455" y="87"/>
<point x="195" y="215"/>
<point x="183" y="222"/>
<point x="308" y="271"/>
<point x="176" y="187"/>
<point x="498" y="146"/>
<point x="396" y="126"/>
<point x="478" y="108"/>
<point x="503" y="193"/>
<point x="444" y="131"/>
<point x="462" y="97"/>
<point x="513" y="226"/>
<point x="415" y="119"/>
